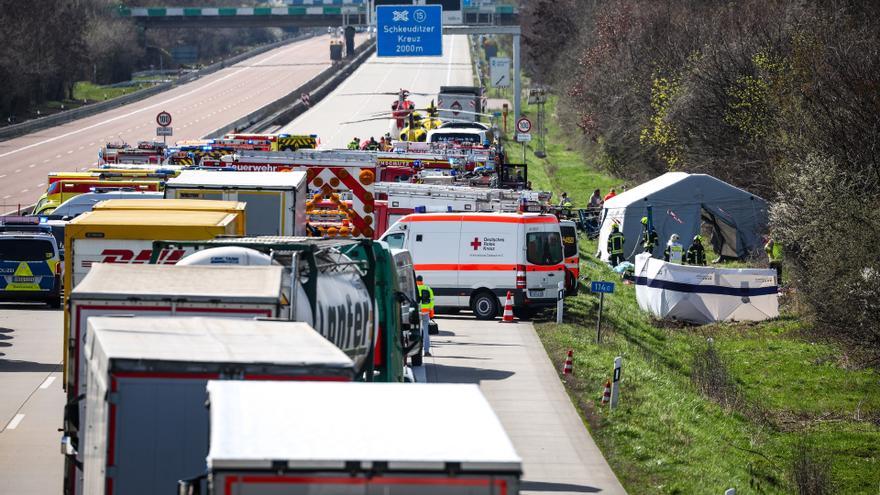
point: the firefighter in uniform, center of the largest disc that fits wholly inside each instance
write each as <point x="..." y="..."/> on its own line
<point x="615" y="246"/>
<point x="426" y="304"/>
<point x="355" y="144"/>
<point x="696" y="254"/>
<point x="673" y="250"/>
<point x="649" y="237"/>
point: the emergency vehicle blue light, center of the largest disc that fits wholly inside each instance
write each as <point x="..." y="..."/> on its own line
<point x="420" y="209"/>
<point x="313" y="135"/>
<point x="206" y="148"/>
<point x="250" y="141"/>
<point x="448" y="209"/>
<point x="43" y="219"/>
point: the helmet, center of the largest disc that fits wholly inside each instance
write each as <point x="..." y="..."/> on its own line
<point x="674" y="238"/>
<point x="698" y="238"/>
<point x="645" y="220"/>
<point x="357" y="139"/>
<point x="614" y="227"/>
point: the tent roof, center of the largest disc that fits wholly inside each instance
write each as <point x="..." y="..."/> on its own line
<point x="675" y="183"/>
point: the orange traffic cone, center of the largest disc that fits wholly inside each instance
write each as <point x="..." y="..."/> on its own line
<point x="508" y="310"/>
<point x="606" y="395"/>
<point x="567" y="368"/>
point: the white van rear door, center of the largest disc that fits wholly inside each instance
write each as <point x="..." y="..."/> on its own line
<point x="434" y="249"/>
<point x="544" y="260"/>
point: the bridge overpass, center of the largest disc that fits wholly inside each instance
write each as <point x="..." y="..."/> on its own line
<point x="310" y="13"/>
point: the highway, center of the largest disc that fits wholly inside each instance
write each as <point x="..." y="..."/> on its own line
<point x="197" y="108"/>
<point x="383" y="75"/>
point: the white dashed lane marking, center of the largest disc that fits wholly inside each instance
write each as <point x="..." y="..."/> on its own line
<point x="47" y="383"/>
<point x="15" y="422"/>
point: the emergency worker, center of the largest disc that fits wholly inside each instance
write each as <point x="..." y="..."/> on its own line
<point x="355" y="144"/>
<point x="673" y="251"/>
<point x="696" y="254"/>
<point x="426" y="304"/>
<point x="372" y="144"/>
<point x="615" y="245"/>
<point x="774" y="256"/>
<point x="649" y="237"/>
<point x="564" y="201"/>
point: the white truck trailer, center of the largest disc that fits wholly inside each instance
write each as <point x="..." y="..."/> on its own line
<point x="275" y="200"/>
<point x="156" y="290"/>
<point x="147" y="421"/>
<point x="302" y="438"/>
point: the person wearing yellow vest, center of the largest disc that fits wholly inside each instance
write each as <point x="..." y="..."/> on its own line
<point x="615" y="246"/>
<point x="674" y="250"/>
<point x="774" y="256"/>
<point x="426" y="303"/>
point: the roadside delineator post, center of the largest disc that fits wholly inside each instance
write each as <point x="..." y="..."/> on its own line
<point x="508" y="310"/>
<point x="568" y="367"/>
<point x="615" y="382"/>
<point x="606" y="395"/>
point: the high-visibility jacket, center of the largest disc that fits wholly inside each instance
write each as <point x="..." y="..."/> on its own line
<point x="773" y="250"/>
<point x="615" y="243"/>
<point x="673" y="252"/>
<point x="649" y="239"/>
<point x="426" y="307"/>
<point x="353" y="145"/>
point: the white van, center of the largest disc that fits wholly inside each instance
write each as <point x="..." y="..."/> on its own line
<point x="471" y="260"/>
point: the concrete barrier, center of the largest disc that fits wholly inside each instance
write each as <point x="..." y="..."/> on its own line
<point x="53" y="120"/>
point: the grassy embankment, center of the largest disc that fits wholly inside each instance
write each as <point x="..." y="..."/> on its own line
<point x="696" y="417"/>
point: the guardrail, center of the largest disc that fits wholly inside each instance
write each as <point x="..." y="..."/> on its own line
<point x="290" y="106"/>
<point x="96" y="108"/>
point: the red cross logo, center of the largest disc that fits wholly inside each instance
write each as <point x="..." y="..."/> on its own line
<point x="476" y="244"/>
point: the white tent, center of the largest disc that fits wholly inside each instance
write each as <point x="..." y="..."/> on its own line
<point x="702" y="294"/>
<point x="680" y="203"/>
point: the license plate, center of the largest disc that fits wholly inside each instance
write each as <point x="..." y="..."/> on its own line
<point x="536" y="293"/>
<point x="24" y="280"/>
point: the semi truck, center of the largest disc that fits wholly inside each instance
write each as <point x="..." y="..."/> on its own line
<point x="307" y="442"/>
<point x="154" y="290"/>
<point x="355" y="292"/>
<point x="275" y="201"/>
<point x="146" y="421"/>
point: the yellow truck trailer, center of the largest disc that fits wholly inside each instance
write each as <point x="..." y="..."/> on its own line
<point x="180" y="205"/>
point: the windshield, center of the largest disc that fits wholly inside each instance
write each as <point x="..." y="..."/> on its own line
<point x="26" y="250"/>
<point x="544" y="248"/>
<point x="395" y="241"/>
<point x="457" y="137"/>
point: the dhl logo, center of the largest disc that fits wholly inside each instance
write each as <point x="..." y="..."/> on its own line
<point x="166" y="257"/>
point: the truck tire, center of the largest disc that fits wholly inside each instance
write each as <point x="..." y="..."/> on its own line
<point x="416" y="360"/>
<point x="484" y="305"/>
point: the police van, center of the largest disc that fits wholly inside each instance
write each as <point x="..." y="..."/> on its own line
<point x="472" y="260"/>
<point x="30" y="265"/>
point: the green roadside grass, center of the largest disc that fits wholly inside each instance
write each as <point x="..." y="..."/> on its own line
<point x="84" y="90"/>
<point x="789" y="394"/>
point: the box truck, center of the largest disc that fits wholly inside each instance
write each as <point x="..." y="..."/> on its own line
<point x="357" y="293"/>
<point x="472" y="260"/>
<point x="275" y="200"/>
<point x="146" y="420"/>
<point x="307" y="442"/>
<point x="156" y="290"/>
<point x="236" y="207"/>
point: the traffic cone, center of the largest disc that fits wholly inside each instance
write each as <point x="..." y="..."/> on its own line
<point x="508" y="310"/>
<point x="568" y="368"/>
<point x="606" y="395"/>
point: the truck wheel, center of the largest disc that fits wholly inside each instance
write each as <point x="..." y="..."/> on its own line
<point x="416" y="360"/>
<point x="485" y="306"/>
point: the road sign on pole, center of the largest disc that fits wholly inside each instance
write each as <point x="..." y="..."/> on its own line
<point x="164" y="131"/>
<point x="615" y="382"/>
<point x="523" y="125"/>
<point x="409" y="30"/>
<point x="499" y="72"/>
<point x="163" y="119"/>
<point x="602" y="288"/>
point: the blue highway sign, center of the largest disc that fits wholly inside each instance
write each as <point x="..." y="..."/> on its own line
<point x="409" y="30"/>
<point x="606" y="287"/>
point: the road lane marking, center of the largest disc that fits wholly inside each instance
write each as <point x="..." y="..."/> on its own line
<point x="17" y="170"/>
<point x="46" y="160"/>
<point x="2" y="176"/>
<point x="23" y="191"/>
<point x="32" y="165"/>
<point x="41" y="184"/>
<point x="47" y="382"/>
<point x="15" y="421"/>
<point x="144" y="109"/>
<point x="69" y="152"/>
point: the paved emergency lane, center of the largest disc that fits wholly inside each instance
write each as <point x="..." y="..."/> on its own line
<point x="31" y="399"/>
<point x="512" y="369"/>
<point x="382" y="75"/>
<point x="197" y="109"/>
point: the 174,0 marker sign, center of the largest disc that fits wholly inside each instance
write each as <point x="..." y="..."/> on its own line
<point x="409" y="30"/>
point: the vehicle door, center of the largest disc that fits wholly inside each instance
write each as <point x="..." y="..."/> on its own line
<point x="571" y="253"/>
<point x="488" y="257"/>
<point x="435" y="251"/>
<point x="544" y="259"/>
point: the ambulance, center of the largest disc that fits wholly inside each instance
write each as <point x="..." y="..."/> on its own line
<point x="472" y="260"/>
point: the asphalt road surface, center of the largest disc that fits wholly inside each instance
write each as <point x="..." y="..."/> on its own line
<point x="31" y="399"/>
<point x="383" y="75"/>
<point x="197" y="108"/>
<point x="513" y="371"/>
